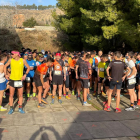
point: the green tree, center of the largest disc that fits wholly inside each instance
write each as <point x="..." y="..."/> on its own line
<point x="30" y="23"/>
<point x="99" y="24"/>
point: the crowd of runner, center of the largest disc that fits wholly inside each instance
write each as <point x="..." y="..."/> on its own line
<point x="61" y="74"/>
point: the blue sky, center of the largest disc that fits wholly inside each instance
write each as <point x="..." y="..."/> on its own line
<point x="29" y="2"/>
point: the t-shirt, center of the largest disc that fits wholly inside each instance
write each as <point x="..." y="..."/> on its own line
<point x="84" y="67"/>
<point x="131" y="64"/>
<point x="38" y="63"/>
<point x="101" y="67"/>
<point x="31" y="63"/>
<point x="97" y="60"/>
<point x="58" y="67"/>
<point x="43" y="68"/>
<point x="78" y="63"/>
<point x="117" y="70"/>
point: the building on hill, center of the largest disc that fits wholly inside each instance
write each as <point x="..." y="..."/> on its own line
<point x="18" y="20"/>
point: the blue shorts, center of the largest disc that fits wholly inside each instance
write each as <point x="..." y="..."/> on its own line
<point x="3" y="85"/>
<point x="113" y="84"/>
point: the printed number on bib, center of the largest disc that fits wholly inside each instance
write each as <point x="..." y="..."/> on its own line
<point x="28" y="79"/>
<point x="132" y="81"/>
<point x="57" y="72"/>
<point x="102" y="69"/>
<point x="44" y="76"/>
<point x="18" y="84"/>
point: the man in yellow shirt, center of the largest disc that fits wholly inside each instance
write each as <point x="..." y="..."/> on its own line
<point x="16" y="78"/>
<point x="100" y="73"/>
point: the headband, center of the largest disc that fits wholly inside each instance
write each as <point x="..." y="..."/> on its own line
<point x="14" y="52"/>
<point x="58" y="54"/>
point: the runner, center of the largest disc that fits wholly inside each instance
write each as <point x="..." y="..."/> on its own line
<point x="58" y="69"/>
<point x="16" y="78"/>
<point x="3" y="81"/>
<point x="117" y="76"/>
<point x="40" y="73"/>
<point x="131" y="83"/>
<point x="85" y="73"/>
<point x="29" y="78"/>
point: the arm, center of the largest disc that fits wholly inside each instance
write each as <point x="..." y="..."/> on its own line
<point x="5" y="68"/>
<point x="76" y="71"/>
<point x="27" y="71"/>
<point x="64" y="70"/>
<point x="134" y="71"/>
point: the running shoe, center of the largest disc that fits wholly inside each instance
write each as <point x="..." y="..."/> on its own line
<point x="138" y="103"/>
<point x="98" y="95"/>
<point x="28" y="99"/>
<point x="31" y="96"/>
<point x="118" y="110"/>
<point x="94" y="93"/>
<point x="4" y="95"/>
<point x="67" y="97"/>
<point x="113" y="99"/>
<point x="73" y="92"/>
<point x="64" y="95"/>
<point x="60" y="101"/>
<point x="52" y="101"/>
<point x="3" y="109"/>
<point x="105" y="104"/>
<point x="78" y="98"/>
<point x="107" y="109"/>
<point x="11" y="111"/>
<point x="88" y="97"/>
<point x="41" y="106"/>
<point x="21" y="111"/>
<point x="136" y="106"/>
<point x="103" y="94"/>
<point x="86" y="104"/>
<point x="130" y="109"/>
<point x="44" y="101"/>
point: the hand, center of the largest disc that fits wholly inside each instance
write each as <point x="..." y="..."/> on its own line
<point x="109" y="78"/>
<point x="123" y="78"/>
<point x="7" y="77"/>
<point x="98" y="78"/>
<point x="44" y="86"/>
<point x="50" y="78"/>
<point x="23" y="78"/>
<point x="64" y="78"/>
<point x="31" y="68"/>
<point x="77" y="77"/>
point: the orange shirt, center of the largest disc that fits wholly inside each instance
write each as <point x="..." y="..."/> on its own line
<point x="72" y="63"/>
<point x="43" y="68"/>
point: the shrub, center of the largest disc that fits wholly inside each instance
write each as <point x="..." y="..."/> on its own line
<point x="30" y="23"/>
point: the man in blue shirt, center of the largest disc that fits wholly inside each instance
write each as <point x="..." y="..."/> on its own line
<point x="29" y="78"/>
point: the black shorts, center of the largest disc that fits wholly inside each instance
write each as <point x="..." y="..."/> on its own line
<point x="57" y="80"/>
<point x="37" y="80"/>
<point x="73" y="75"/>
<point x="117" y="84"/>
<point x="29" y="80"/>
<point x="100" y="80"/>
<point x="94" y="72"/>
<point x="107" y="83"/>
<point x="16" y="83"/>
<point x="84" y="83"/>
<point x="130" y="85"/>
<point x="138" y="80"/>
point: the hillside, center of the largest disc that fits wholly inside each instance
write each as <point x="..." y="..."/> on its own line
<point x="43" y="17"/>
<point x="39" y="39"/>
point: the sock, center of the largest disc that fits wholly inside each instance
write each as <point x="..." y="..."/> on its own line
<point x="135" y="102"/>
<point x="59" y="97"/>
<point x="138" y="100"/>
<point x="117" y="108"/>
<point x="108" y="106"/>
<point x="28" y="94"/>
<point x="20" y="106"/>
<point x="66" y="93"/>
<point x="34" y="94"/>
<point x="11" y="107"/>
<point x="53" y="97"/>
<point x="131" y="105"/>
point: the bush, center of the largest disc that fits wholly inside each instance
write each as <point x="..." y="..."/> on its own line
<point x="30" y="23"/>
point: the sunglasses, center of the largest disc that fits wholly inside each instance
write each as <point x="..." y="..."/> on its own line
<point x="12" y="54"/>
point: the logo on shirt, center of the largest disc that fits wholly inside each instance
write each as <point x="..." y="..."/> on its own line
<point x="32" y="63"/>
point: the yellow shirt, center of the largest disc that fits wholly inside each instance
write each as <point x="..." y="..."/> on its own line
<point x="101" y="67"/>
<point x="16" y="69"/>
<point x="91" y="61"/>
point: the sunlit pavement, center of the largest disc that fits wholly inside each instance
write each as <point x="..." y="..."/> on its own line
<point x="70" y="121"/>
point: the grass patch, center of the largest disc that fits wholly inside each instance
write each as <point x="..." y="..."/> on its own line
<point x="95" y="106"/>
<point x="138" y="137"/>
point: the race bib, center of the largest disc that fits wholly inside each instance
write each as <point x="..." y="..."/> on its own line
<point x="18" y="84"/>
<point x="28" y="79"/>
<point x="57" y="72"/>
<point x="44" y="76"/>
<point x="132" y="81"/>
<point x="102" y="69"/>
<point x="89" y="84"/>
